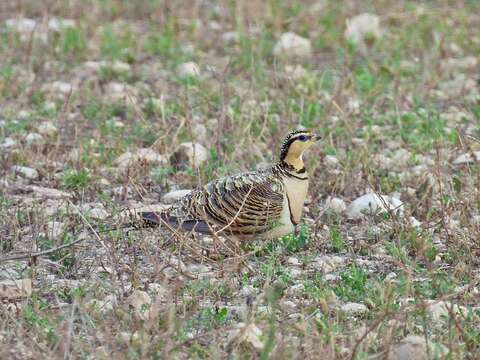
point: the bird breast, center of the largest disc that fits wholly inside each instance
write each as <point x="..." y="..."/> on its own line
<point x="296" y="191"/>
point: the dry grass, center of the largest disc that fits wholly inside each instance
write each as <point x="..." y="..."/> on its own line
<point x="412" y="89"/>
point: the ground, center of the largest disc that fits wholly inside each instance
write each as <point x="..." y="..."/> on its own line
<point x="100" y="102"/>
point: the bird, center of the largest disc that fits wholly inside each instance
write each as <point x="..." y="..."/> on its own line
<point x="263" y="204"/>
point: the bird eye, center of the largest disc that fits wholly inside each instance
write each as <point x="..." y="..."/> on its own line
<point x="303" y="138"/>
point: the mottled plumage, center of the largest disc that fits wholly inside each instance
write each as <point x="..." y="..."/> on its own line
<point x="256" y="204"/>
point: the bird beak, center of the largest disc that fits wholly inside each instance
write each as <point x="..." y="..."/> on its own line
<point x="316" y="137"/>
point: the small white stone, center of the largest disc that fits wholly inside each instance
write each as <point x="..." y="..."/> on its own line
<point x="372" y="203"/>
<point x="199" y="132"/>
<point x="175" y="195"/>
<point x="141" y="302"/>
<point x="24" y="114"/>
<point x="115" y="88"/>
<point x="143" y="155"/>
<point x="249" y="334"/>
<point x="459" y="64"/>
<point x="414" y="222"/>
<point x="336" y="204"/>
<point x="47" y="128"/>
<point x="354" y="308"/>
<point x="58" y="87"/>
<point x="26" y="172"/>
<point x="467" y="158"/>
<point x="291" y="45"/>
<point x="55" y="229"/>
<point x="57" y="24"/>
<point x="361" y="27"/>
<point x="195" y="154"/>
<point x="21" y="25"/>
<point x="49" y="193"/>
<point x="8" y="143"/>
<point x="410" y="348"/>
<point x="33" y="138"/>
<point x="331" y="160"/>
<point x="120" y="66"/>
<point x="230" y="37"/>
<point x="293" y="261"/>
<point x="295" y="72"/>
<point x="188" y="69"/>
<point x="440" y="310"/>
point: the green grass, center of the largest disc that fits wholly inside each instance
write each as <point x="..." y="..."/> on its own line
<point x="291" y="288"/>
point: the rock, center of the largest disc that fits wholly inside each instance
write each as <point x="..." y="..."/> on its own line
<point x="120" y="66"/>
<point x="59" y="88"/>
<point x="295" y="72"/>
<point x="25" y="171"/>
<point x="335" y="204"/>
<point x="141" y="302"/>
<point x="410" y="348"/>
<point x="116" y="90"/>
<point x="8" y="143"/>
<point x="231" y="37"/>
<point x="414" y="222"/>
<point x="47" y="128"/>
<point x="291" y="45"/>
<point x="175" y="195"/>
<point x="292" y="260"/>
<point x="21" y="25"/>
<point x="58" y="24"/>
<point x="331" y="160"/>
<point x="249" y="334"/>
<point x="193" y="154"/>
<point x="49" y="193"/>
<point x="459" y="64"/>
<point x="467" y="158"/>
<point x="199" y="132"/>
<point x="188" y="69"/>
<point x="326" y="263"/>
<point x="13" y="289"/>
<point x="33" y="138"/>
<point x="143" y="155"/>
<point x="354" y="309"/>
<point x="455" y="87"/>
<point x="95" y="211"/>
<point x="440" y="310"/>
<point x="372" y="203"/>
<point x="362" y="28"/>
<point x="55" y="229"/>
<point x="247" y="291"/>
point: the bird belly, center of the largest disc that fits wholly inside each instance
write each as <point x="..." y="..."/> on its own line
<point x="284" y="225"/>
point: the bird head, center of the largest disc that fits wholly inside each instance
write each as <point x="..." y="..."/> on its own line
<point x="295" y="145"/>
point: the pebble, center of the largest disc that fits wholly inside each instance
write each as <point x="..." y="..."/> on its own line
<point x="354" y="308"/>
<point x="467" y="158"/>
<point x="335" y="204"/>
<point x="49" y="193"/>
<point x="291" y="45"/>
<point x="8" y="143"/>
<point x="372" y="203"/>
<point x="459" y="64"/>
<point x="143" y="155"/>
<point x="188" y="69"/>
<point x="190" y="153"/>
<point x="21" y="25"/>
<point x="47" y="128"/>
<point x="58" y="24"/>
<point x="331" y="160"/>
<point x="55" y="229"/>
<point x="175" y="195"/>
<point x="199" y="132"/>
<point x="25" y="171"/>
<point x="411" y="347"/>
<point x="362" y="27"/>
<point x="58" y="88"/>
